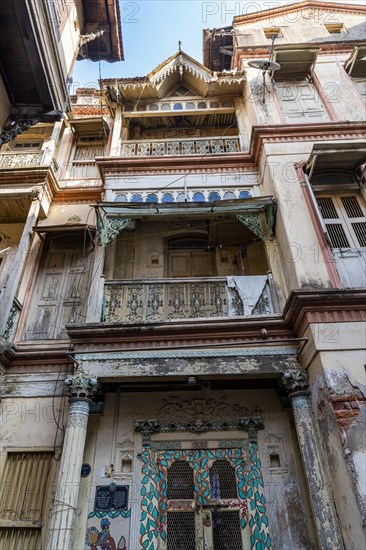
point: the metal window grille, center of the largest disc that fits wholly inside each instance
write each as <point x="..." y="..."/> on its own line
<point x="327" y="208"/>
<point x="222" y="480"/>
<point x="180" y="481"/>
<point x="226" y="531"/>
<point x="181" y="531"/>
<point x="337" y="235"/>
<point x="360" y="232"/>
<point x="352" y="207"/>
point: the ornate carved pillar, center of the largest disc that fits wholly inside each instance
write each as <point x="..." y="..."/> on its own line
<point x="325" y="517"/>
<point x="81" y="390"/>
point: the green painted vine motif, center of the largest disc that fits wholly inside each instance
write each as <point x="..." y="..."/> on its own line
<point x="250" y="487"/>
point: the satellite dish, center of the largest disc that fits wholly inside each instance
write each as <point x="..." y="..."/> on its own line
<point x="264" y="65"/>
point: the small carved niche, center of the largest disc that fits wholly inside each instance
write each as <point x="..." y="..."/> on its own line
<point x="125" y="458"/>
<point x="275" y="454"/>
<point x="154" y="259"/>
<point x="126" y="463"/>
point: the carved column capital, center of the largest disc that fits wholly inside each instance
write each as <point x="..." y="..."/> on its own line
<point x="295" y="382"/>
<point x="81" y="386"/>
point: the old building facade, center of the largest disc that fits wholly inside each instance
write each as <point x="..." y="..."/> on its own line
<point x="183" y="295"/>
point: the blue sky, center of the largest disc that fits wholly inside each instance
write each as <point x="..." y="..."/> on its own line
<point x="151" y="30"/>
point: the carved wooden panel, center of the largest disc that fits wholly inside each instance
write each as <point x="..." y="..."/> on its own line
<point x="60" y="292"/>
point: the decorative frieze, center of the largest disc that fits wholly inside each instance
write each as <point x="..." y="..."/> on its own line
<point x="201" y="416"/>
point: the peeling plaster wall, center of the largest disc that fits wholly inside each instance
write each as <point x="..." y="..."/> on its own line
<point x="300" y="26"/>
<point x="339" y="91"/>
<point x="335" y="357"/>
<point x="297" y="243"/>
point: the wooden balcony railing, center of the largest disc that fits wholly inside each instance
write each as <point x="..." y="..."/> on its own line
<point x="172" y="299"/>
<point x="172" y="147"/>
<point x="20" y="160"/>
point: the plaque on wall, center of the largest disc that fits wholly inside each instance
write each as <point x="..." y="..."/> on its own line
<point x="111" y="497"/>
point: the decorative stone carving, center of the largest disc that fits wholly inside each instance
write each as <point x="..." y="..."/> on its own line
<point x="201" y="416"/>
<point x="190" y="409"/>
<point x="252" y="222"/>
<point x="81" y="386"/>
<point x="114" y="228"/>
<point x="295" y="380"/>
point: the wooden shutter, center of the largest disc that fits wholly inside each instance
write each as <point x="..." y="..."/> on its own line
<point x="300" y="102"/>
<point x="24" y="498"/>
<point x="61" y="289"/>
<point x="344" y="219"/>
<point x="83" y="165"/>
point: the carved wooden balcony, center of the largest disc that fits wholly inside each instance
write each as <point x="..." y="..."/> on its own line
<point x="173" y="147"/>
<point x="20" y="160"/>
<point x="139" y="301"/>
<point x="27" y="160"/>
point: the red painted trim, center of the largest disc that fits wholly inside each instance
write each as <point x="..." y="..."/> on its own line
<point x="328" y="106"/>
<point x="295" y="7"/>
<point x="323" y="244"/>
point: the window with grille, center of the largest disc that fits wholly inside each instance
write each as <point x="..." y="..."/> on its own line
<point x="181" y="531"/>
<point x="222" y="480"/>
<point x="180" y="481"/>
<point x="345" y="221"/>
<point x="27" y="145"/>
<point x="83" y="164"/>
<point x="300" y="101"/>
<point x="226" y="531"/>
<point x="24" y="485"/>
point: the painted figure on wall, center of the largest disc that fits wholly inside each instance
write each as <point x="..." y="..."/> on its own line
<point x="103" y="539"/>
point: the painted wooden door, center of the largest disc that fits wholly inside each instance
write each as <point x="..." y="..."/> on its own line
<point x="203" y="499"/>
<point x="300" y="102"/>
<point x="190" y="263"/>
<point x="61" y="290"/>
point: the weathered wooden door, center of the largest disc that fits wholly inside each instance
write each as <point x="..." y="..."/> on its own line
<point x="60" y="294"/>
<point x="190" y="263"/>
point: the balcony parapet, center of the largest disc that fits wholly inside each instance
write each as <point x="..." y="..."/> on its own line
<point x="20" y="160"/>
<point x="136" y="301"/>
<point x="26" y="160"/>
<point x="175" y="147"/>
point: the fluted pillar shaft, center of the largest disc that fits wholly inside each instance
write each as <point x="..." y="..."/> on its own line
<point x="68" y="480"/>
<point x="321" y="499"/>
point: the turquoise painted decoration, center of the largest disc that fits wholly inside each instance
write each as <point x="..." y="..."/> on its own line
<point x="154" y="501"/>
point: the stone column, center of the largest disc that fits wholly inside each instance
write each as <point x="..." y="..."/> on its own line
<point x="322" y="503"/>
<point x="81" y="389"/>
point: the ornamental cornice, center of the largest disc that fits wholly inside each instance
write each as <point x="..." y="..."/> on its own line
<point x="301" y="7"/>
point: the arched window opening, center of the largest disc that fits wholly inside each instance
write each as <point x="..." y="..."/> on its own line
<point x="222" y="480"/>
<point x="180" y="481"/>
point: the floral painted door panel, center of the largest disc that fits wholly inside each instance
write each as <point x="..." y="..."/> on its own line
<point x="208" y="499"/>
